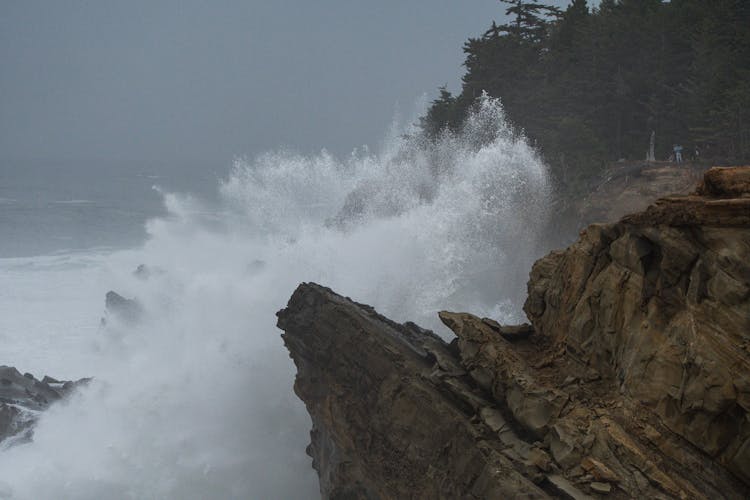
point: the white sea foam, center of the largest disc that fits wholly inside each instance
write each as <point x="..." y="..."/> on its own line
<point x="195" y="401"/>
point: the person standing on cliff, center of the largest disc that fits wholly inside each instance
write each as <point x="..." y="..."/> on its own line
<point x="677" y="153"/>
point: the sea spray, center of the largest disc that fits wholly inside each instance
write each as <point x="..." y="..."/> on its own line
<point x="194" y="400"/>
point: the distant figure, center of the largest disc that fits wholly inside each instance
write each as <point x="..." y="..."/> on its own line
<point x="677" y="153"/>
<point x="651" y="155"/>
<point x="697" y="153"/>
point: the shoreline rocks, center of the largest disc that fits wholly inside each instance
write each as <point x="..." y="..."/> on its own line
<point x="23" y="398"/>
<point x="129" y="311"/>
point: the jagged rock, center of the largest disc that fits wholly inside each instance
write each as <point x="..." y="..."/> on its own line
<point x="393" y="417"/>
<point x="659" y="303"/>
<point x="510" y="332"/>
<point x="388" y="422"/>
<point x="634" y="382"/>
<point x="23" y="397"/>
<point x="600" y="471"/>
<point x="126" y="310"/>
<point x="504" y="372"/>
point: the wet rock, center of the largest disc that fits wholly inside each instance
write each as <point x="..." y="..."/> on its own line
<point x="633" y="384"/>
<point x="128" y="311"/>
<point x="393" y="414"/>
<point x="384" y="424"/>
<point x="23" y="397"/>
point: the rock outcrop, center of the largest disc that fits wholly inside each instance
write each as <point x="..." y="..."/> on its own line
<point x="129" y="311"/>
<point x="23" y="397"/>
<point x="394" y="414"/>
<point x="631" y="381"/>
<point x="659" y="304"/>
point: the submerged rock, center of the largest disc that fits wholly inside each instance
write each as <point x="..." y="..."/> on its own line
<point x="632" y="382"/>
<point x="23" y="397"/>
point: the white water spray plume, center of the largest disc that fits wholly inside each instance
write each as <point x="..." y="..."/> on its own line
<point x="195" y="399"/>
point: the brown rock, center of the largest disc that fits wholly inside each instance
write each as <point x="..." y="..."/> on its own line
<point x="636" y="374"/>
<point x="510" y="332"/>
<point x="600" y="471"/>
<point x="383" y="425"/>
<point x="725" y="182"/>
<point x="660" y="303"/>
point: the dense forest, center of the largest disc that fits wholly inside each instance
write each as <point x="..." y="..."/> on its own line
<point x="589" y="86"/>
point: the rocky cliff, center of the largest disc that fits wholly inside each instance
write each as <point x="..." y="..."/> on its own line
<point x="659" y="304"/>
<point x="632" y="379"/>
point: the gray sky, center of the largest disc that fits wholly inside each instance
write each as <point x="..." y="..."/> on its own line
<point x="202" y="81"/>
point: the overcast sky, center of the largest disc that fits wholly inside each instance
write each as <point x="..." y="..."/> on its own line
<point x="204" y="81"/>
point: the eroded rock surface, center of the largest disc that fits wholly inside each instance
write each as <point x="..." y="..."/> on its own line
<point x="659" y="303"/>
<point x="631" y="381"/>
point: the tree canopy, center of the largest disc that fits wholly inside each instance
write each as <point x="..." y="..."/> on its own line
<point x="588" y="86"/>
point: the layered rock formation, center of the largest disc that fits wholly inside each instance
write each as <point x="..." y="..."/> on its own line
<point x="394" y="414"/>
<point x="659" y="303"/>
<point x="632" y="380"/>
<point x="23" y="397"/>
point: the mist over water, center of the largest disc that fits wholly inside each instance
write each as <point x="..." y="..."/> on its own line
<point x="195" y="400"/>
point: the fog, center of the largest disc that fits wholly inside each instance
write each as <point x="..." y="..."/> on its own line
<point x="193" y="81"/>
<point x="195" y="400"/>
<point x="196" y="82"/>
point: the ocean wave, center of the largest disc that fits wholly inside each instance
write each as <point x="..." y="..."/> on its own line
<point x="195" y="400"/>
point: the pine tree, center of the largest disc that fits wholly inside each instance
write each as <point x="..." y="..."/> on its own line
<point x="530" y="20"/>
<point x="589" y="86"/>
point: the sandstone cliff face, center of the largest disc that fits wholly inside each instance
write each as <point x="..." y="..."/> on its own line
<point x="632" y="380"/>
<point x="660" y="304"/>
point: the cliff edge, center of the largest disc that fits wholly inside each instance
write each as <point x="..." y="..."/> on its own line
<point x="632" y="379"/>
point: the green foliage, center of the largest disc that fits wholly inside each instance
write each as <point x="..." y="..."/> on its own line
<point x="443" y="113"/>
<point x="588" y="86"/>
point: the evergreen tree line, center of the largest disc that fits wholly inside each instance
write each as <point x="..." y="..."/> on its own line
<point x="589" y="86"/>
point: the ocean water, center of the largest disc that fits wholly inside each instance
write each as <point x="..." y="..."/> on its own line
<point x="195" y="400"/>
